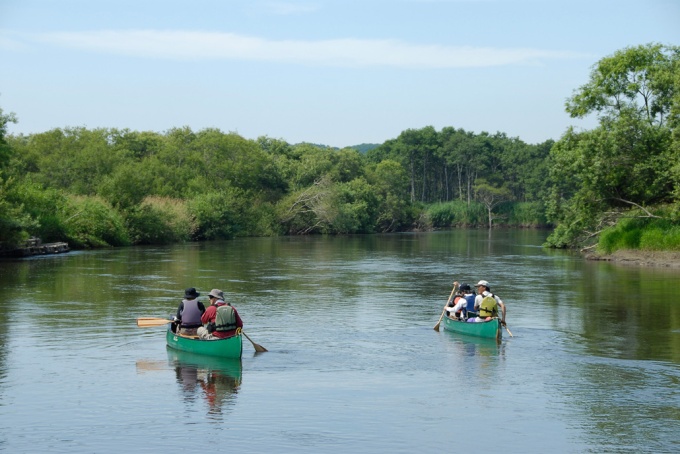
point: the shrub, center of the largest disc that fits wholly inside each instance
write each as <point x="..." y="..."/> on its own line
<point x="160" y="220"/>
<point x="524" y="214"/>
<point x="93" y="222"/>
<point x="223" y="214"/>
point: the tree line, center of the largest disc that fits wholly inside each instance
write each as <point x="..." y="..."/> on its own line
<point x="111" y="187"/>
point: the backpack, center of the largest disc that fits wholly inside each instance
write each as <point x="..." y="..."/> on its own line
<point x="488" y="307"/>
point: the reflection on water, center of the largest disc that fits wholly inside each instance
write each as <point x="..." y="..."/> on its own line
<point x="470" y="346"/>
<point x="215" y="380"/>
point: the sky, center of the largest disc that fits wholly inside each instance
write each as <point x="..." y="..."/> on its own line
<point x="333" y="72"/>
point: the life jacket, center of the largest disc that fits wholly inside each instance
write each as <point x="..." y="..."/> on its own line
<point x="469" y="308"/>
<point x="470" y="303"/>
<point x="191" y="314"/>
<point x="488" y="306"/>
<point x="225" y="319"/>
<point x="466" y="308"/>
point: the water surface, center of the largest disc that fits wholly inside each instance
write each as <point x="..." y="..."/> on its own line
<point x="353" y="362"/>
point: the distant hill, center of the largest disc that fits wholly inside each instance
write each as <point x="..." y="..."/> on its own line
<point x="364" y="147"/>
<point x="361" y="148"/>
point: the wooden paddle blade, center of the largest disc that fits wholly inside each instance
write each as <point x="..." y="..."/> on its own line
<point x="258" y="348"/>
<point x="152" y="321"/>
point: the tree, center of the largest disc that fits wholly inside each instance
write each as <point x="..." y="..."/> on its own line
<point x="491" y="196"/>
<point x="14" y="221"/>
<point x="628" y="160"/>
<point x="5" y="149"/>
<point x="391" y="183"/>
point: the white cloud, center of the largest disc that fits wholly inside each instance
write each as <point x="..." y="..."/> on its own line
<point x="345" y="52"/>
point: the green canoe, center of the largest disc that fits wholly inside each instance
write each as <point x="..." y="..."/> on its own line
<point x="231" y="347"/>
<point x="488" y="330"/>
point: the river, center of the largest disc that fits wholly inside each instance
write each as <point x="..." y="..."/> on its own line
<point x="353" y="362"/>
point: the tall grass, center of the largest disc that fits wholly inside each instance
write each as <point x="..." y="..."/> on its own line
<point x="459" y="214"/>
<point x="641" y="233"/>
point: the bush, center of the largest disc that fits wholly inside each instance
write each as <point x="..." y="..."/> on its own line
<point x="15" y="221"/>
<point x="527" y="214"/>
<point x="93" y="222"/>
<point x="160" y="220"/>
<point x="224" y="214"/>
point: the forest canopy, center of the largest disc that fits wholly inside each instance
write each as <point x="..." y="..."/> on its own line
<point x="110" y="187"/>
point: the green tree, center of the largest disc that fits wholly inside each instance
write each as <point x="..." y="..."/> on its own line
<point x="14" y="221"/>
<point x="72" y="158"/>
<point x="391" y="183"/>
<point x="491" y="196"/>
<point x="5" y="149"/>
<point x="628" y="160"/>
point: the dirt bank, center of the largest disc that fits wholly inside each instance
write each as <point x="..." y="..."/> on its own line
<point x="667" y="259"/>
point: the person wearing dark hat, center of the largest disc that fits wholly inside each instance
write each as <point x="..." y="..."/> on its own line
<point x="464" y="302"/>
<point x="189" y="312"/>
<point x="487" y="304"/>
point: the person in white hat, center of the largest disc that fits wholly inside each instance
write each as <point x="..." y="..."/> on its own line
<point x="484" y="309"/>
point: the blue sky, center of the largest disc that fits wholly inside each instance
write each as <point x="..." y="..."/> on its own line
<point x="338" y="73"/>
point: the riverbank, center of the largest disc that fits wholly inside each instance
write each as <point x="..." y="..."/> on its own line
<point x="636" y="257"/>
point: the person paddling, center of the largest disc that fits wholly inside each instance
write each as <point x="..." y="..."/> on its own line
<point x="464" y="303"/>
<point x="487" y="304"/>
<point x="220" y="319"/>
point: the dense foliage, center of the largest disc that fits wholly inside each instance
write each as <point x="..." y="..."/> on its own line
<point x="117" y="187"/>
<point x="630" y="163"/>
<point x="113" y="187"/>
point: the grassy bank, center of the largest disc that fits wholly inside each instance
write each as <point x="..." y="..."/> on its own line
<point x="659" y="231"/>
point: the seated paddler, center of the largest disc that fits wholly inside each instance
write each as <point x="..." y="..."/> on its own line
<point x="220" y="319"/>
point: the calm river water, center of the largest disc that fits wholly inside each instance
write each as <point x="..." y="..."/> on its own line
<point x="354" y="364"/>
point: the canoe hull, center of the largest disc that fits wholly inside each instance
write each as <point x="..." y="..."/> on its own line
<point x="231" y="347"/>
<point x="487" y="330"/>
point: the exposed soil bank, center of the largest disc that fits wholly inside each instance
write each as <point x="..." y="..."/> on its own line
<point x="667" y="259"/>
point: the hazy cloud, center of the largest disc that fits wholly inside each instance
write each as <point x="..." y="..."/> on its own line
<point x="345" y="52"/>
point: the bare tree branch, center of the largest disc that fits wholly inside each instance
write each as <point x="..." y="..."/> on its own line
<point x="649" y="215"/>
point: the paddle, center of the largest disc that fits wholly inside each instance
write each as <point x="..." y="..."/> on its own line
<point x="258" y="347"/>
<point x="507" y="329"/>
<point x="455" y="286"/>
<point x="152" y="321"/>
